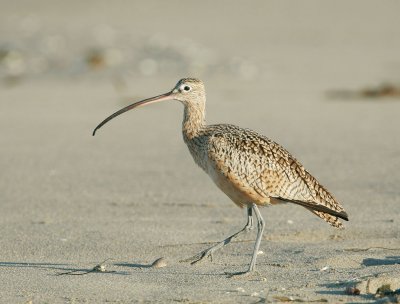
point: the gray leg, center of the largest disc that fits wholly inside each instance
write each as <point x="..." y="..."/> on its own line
<point x="209" y="252"/>
<point x="249" y="225"/>
<point x="260" y="226"/>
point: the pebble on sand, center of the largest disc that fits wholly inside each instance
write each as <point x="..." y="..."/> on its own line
<point x="159" y="263"/>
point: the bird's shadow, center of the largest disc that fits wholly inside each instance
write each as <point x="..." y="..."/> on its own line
<point x="56" y="266"/>
<point x="189" y="272"/>
<point x="389" y="260"/>
<point x="133" y="265"/>
<point x="68" y="269"/>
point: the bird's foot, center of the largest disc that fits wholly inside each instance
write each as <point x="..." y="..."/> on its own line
<point x="200" y="256"/>
<point x="208" y="253"/>
<point x="249" y="228"/>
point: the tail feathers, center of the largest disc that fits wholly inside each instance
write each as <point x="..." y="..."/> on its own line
<point x="321" y="208"/>
<point x="332" y="220"/>
<point x="318" y="207"/>
<point x="327" y="214"/>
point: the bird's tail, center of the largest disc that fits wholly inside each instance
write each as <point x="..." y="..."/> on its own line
<point x="332" y="220"/>
<point x="321" y="208"/>
<point x="327" y="214"/>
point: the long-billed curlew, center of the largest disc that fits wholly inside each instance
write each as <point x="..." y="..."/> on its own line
<point x="249" y="168"/>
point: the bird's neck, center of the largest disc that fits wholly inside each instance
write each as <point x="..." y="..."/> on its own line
<point x="193" y="120"/>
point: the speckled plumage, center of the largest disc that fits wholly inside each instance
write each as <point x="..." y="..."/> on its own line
<point x="249" y="168"/>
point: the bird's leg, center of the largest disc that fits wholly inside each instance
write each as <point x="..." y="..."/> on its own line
<point x="249" y="225"/>
<point x="209" y="252"/>
<point x="260" y="226"/>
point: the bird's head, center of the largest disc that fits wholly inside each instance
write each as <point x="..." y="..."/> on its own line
<point x="189" y="91"/>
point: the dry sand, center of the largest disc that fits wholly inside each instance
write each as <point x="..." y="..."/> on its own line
<point x="133" y="194"/>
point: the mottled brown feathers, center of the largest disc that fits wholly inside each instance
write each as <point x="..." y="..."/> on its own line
<point x="251" y="168"/>
<point x="248" y="167"/>
<point x="191" y="80"/>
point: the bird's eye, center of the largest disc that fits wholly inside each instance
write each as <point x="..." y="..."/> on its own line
<point x="187" y="88"/>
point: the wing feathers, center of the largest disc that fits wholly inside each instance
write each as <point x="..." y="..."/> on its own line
<point x="265" y="167"/>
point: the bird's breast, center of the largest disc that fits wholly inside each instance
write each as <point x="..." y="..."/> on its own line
<point x="198" y="149"/>
<point x="237" y="189"/>
<point x="233" y="172"/>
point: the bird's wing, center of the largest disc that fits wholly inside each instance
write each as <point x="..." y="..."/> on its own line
<point x="268" y="169"/>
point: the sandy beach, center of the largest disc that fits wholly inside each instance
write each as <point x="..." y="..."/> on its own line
<point x="132" y="193"/>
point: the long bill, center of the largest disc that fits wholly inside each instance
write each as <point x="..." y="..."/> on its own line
<point x="166" y="96"/>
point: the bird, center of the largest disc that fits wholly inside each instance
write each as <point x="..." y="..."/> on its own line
<point x="251" y="169"/>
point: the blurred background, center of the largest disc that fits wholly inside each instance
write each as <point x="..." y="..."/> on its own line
<point x="274" y="43"/>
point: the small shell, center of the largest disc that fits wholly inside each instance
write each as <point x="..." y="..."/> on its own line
<point x="159" y="263"/>
<point x="100" y="268"/>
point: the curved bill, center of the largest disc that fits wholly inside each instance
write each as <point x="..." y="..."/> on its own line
<point x="166" y="96"/>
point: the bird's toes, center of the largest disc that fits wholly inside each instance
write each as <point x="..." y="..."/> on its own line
<point x="249" y="228"/>
<point x="195" y="261"/>
<point x="201" y="256"/>
<point x="192" y="260"/>
<point x="196" y="258"/>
